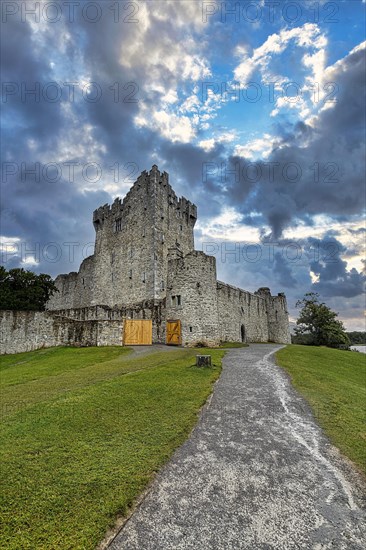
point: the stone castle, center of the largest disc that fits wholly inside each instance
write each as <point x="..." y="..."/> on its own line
<point x="145" y="282"/>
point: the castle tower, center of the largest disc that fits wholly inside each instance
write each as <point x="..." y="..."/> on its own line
<point x="192" y="296"/>
<point x="144" y="264"/>
<point x="277" y="315"/>
<point x="133" y="237"/>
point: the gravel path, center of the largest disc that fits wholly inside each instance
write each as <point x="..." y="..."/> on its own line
<point x="256" y="473"/>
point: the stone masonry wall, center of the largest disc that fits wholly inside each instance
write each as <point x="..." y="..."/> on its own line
<point x="65" y="297"/>
<point x="133" y="236"/>
<point x="192" y="297"/>
<point x="144" y="258"/>
<point x="31" y="330"/>
<point x="26" y="331"/>
<point x="242" y="315"/>
<point x="95" y="326"/>
<point x="278" y="325"/>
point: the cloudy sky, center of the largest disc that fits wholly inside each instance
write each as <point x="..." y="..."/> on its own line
<point x="256" y="110"/>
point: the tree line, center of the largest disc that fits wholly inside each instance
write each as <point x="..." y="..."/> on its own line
<point x="357" y="337"/>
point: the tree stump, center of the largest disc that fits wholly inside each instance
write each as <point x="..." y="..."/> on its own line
<point x="203" y="360"/>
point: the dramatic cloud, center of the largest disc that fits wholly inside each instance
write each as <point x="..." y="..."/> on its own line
<point x="158" y="83"/>
<point x="332" y="276"/>
<point x="314" y="169"/>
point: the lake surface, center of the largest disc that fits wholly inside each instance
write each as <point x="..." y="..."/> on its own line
<point x="362" y="349"/>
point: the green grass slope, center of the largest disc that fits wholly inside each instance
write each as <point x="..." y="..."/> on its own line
<point x="334" y="383"/>
<point x="82" y="433"/>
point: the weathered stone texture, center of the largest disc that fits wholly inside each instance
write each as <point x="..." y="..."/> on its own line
<point x="192" y="297"/>
<point x="133" y="236"/>
<point x="211" y="311"/>
<point x="31" y="330"/>
<point x="144" y="266"/>
<point x="89" y="326"/>
<point x="278" y="325"/>
<point x="242" y="315"/>
<point x="25" y="331"/>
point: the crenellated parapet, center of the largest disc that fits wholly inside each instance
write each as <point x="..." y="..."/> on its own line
<point x="148" y="186"/>
<point x="133" y="236"/>
<point x="144" y="254"/>
<point x="277" y="314"/>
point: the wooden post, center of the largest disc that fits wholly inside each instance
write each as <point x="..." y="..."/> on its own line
<point x="203" y="360"/>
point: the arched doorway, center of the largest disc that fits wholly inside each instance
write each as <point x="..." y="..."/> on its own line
<point x="242" y="333"/>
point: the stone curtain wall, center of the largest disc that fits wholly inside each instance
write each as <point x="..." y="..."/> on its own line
<point x="211" y="311"/>
<point x="242" y="315"/>
<point x="26" y="331"/>
<point x="264" y="317"/>
<point x="144" y="254"/>
<point x="278" y="325"/>
<point x="31" y="330"/>
<point x="95" y="326"/>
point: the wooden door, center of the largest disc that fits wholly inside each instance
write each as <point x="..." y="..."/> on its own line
<point x="137" y="332"/>
<point x="173" y="333"/>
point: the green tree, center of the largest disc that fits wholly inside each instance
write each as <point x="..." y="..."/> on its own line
<point x="24" y="290"/>
<point x="319" y="324"/>
<point x="356" y="337"/>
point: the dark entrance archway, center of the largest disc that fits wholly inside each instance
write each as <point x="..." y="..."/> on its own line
<point x="242" y="333"/>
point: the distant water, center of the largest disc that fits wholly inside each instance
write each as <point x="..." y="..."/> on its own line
<point x="362" y="349"/>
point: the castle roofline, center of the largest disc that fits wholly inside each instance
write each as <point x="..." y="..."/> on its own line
<point x="237" y="288"/>
<point x="162" y="178"/>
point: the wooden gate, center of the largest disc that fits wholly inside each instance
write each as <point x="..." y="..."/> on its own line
<point x="137" y="332"/>
<point x="173" y="333"/>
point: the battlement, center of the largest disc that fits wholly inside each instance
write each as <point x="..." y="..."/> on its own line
<point x="146" y="189"/>
<point x="264" y="292"/>
<point x="144" y="254"/>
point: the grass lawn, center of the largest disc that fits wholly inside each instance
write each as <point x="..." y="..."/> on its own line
<point x="334" y="383"/>
<point x="82" y="433"/>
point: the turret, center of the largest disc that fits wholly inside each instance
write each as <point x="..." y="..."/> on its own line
<point x="278" y="327"/>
